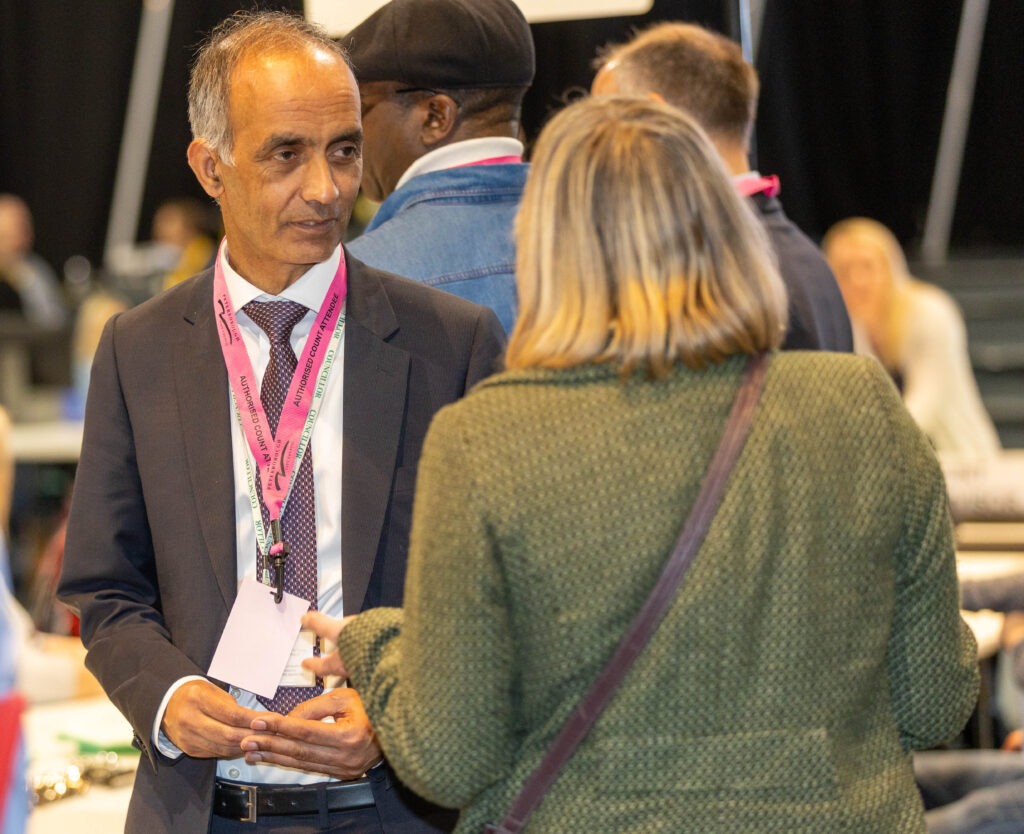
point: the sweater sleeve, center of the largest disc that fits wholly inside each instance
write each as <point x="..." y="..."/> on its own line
<point x="438" y="693"/>
<point x="932" y="655"/>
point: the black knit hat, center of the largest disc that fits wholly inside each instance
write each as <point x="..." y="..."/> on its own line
<point x="449" y="44"/>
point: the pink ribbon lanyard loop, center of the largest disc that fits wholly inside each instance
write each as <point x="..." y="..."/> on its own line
<point x="269" y="450"/>
<point x="749" y="186"/>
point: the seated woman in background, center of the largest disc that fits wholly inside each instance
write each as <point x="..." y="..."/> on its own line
<point x="918" y="334"/>
<point x="817" y="638"/>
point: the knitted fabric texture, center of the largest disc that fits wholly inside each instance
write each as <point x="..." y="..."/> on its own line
<point x="817" y="639"/>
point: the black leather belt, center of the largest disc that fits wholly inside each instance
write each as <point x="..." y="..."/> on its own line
<point x="250" y="802"/>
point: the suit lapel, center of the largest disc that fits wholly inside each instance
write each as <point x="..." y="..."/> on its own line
<point x="375" y="390"/>
<point x="202" y="383"/>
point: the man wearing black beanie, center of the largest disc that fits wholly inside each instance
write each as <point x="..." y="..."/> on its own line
<point x="442" y="82"/>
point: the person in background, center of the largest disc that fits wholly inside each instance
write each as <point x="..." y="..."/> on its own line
<point x="973" y="791"/>
<point x="705" y="74"/>
<point x="817" y="639"/>
<point x="183" y="225"/>
<point x="13" y="788"/>
<point x="183" y="540"/>
<point x="442" y="84"/>
<point x="917" y="332"/>
<point x="28" y="285"/>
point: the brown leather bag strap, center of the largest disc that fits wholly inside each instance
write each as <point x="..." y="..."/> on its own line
<point x="654" y="609"/>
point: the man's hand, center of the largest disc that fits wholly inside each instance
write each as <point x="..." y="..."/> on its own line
<point x="344" y="749"/>
<point x="1014" y="741"/>
<point x="1013" y="629"/>
<point x="204" y="721"/>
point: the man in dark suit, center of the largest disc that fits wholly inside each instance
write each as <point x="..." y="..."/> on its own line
<point x="177" y="509"/>
<point x="705" y="74"/>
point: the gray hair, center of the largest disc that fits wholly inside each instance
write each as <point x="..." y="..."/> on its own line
<point x="234" y="38"/>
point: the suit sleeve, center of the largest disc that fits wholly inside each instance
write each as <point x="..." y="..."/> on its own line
<point x="486" y="356"/>
<point x="437" y="681"/>
<point x="932" y="655"/>
<point x="109" y="575"/>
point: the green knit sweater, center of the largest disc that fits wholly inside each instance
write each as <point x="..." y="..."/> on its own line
<point x="817" y="638"/>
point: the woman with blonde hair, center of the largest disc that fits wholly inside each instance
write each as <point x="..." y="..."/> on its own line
<point x="917" y="332"/>
<point x="816" y="640"/>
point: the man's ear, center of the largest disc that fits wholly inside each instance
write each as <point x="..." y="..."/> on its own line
<point x="205" y="164"/>
<point x="440" y="119"/>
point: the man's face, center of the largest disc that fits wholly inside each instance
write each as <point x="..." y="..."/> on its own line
<point x="392" y="121"/>
<point x="297" y="161"/>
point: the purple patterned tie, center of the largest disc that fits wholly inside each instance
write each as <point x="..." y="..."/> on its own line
<point x="298" y="523"/>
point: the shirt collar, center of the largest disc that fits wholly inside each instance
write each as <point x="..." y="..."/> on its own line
<point x="462" y="153"/>
<point x="309" y="290"/>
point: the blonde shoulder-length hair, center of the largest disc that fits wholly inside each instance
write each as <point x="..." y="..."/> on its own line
<point x="894" y="280"/>
<point x="634" y="248"/>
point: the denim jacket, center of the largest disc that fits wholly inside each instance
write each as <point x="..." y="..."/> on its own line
<point x="452" y="229"/>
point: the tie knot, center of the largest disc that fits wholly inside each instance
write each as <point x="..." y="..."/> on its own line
<point x="275" y="318"/>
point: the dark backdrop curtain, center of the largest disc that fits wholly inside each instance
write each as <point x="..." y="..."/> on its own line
<point x="64" y="75"/>
<point x="65" y="72"/>
<point x="852" y="102"/>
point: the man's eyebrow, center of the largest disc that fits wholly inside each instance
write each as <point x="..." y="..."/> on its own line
<point x="281" y="140"/>
<point x="354" y="135"/>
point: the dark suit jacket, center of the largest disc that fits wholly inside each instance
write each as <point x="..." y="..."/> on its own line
<point x="817" y="314"/>
<point x="150" y="554"/>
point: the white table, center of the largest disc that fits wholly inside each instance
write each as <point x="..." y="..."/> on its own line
<point x="53" y="441"/>
<point x="48" y="728"/>
<point x="989" y="492"/>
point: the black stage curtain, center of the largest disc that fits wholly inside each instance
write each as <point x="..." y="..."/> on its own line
<point x="852" y="102"/>
<point x="65" y="72"/>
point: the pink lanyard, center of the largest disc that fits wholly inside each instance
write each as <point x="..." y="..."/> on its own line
<point x="749" y="186"/>
<point x="269" y="450"/>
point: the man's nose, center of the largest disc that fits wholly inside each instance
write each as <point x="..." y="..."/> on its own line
<point x="319" y="185"/>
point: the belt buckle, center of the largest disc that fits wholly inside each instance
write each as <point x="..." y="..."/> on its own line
<point x="250" y="792"/>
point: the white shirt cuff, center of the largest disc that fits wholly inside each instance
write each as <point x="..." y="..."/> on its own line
<point x="163" y="744"/>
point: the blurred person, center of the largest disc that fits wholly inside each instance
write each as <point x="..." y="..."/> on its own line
<point x="705" y="74"/>
<point x="90" y="318"/>
<point x="972" y="791"/>
<point x="181" y="527"/>
<point x="442" y="84"/>
<point x="917" y="332"/>
<point x="48" y="667"/>
<point x="182" y="243"/>
<point x="817" y="640"/>
<point x="183" y="225"/>
<point x="28" y="285"/>
<point x="13" y="787"/>
<point x="6" y="473"/>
